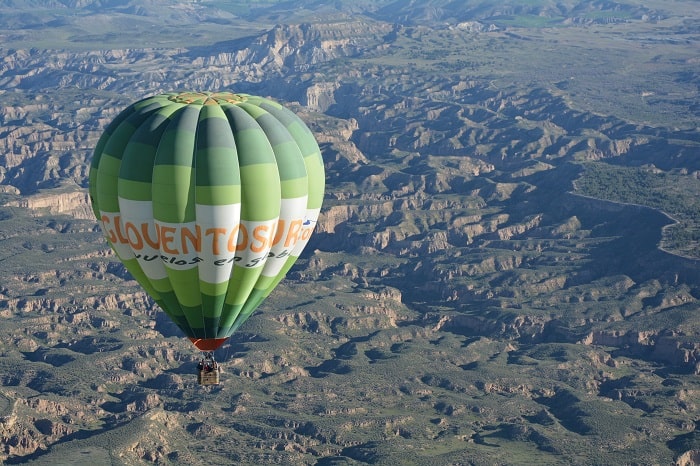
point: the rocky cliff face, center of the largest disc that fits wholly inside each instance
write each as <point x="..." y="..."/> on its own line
<point x="295" y="47"/>
<point x="49" y="141"/>
<point x="74" y="204"/>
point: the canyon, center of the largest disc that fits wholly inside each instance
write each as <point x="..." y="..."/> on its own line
<point x="505" y="269"/>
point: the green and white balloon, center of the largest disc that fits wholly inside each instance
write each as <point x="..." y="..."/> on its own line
<point x="208" y="199"/>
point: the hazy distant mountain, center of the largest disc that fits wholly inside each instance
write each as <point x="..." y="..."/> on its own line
<point x="398" y="11"/>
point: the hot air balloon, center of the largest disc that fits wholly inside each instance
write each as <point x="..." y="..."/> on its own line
<point x="207" y="199"/>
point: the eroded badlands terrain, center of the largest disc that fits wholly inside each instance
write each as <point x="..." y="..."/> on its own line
<point x="505" y="270"/>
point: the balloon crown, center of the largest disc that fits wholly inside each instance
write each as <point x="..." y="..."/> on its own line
<point x="207" y="98"/>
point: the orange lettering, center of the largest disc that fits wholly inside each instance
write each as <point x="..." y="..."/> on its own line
<point x="132" y="233"/>
<point x="293" y="234"/>
<point x="279" y="231"/>
<point x="215" y="241"/>
<point x="118" y="226"/>
<point x="260" y="238"/>
<point x="147" y="237"/>
<point x="306" y="233"/>
<point x="238" y="231"/>
<point x="110" y="233"/>
<point x="167" y="236"/>
<point x="195" y="239"/>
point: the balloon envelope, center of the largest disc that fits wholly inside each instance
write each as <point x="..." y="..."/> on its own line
<point x="207" y="199"/>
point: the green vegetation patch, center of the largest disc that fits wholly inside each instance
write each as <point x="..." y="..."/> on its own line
<point x="674" y="192"/>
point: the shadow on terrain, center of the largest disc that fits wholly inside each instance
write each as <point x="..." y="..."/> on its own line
<point x="563" y="406"/>
<point x="92" y="345"/>
<point x="50" y="356"/>
<point x="79" y="435"/>
<point x="344" y="352"/>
